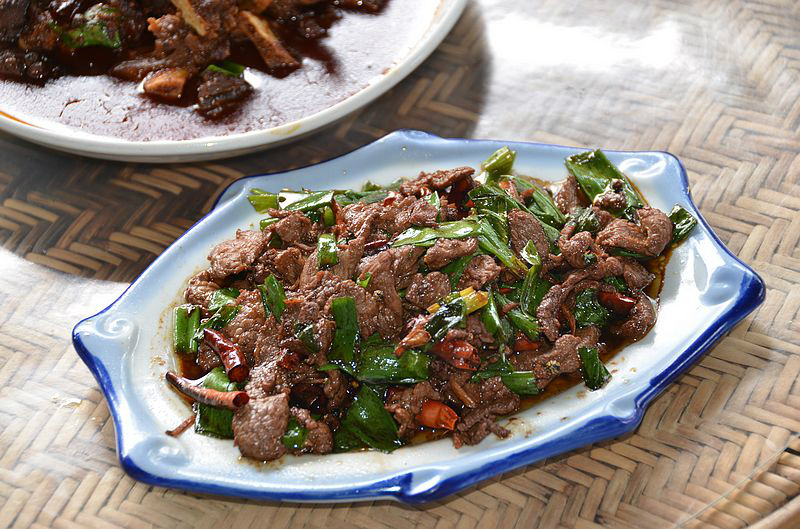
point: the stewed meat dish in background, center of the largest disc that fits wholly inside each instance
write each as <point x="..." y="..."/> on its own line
<point x="180" y="51"/>
<point x="359" y="319"/>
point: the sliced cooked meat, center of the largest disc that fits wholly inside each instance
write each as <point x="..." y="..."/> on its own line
<point x="475" y="424"/>
<point x="220" y="94"/>
<point x="12" y="18"/>
<point x="524" y="228"/>
<point x="568" y="196"/>
<point x="287" y="265"/>
<point x="349" y="255"/>
<point x="425" y="290"/>
<point x="259" y="426"/>
<point x="319" y="439"/>
<point x="636" y="276"/>
<point x="611" y="200"/>
<point x="295" y="228"/>
<point x="479" y="271"/>
<point x="563" y="357"/>
<point x="648" y="238"/>
<point x="236" y="255"/>
<point x="201" y="288"/>
<point x="445" y="251"/>
<point x="640" y="319"/>
<point x="245" y="327"/>
<point x="437" y="180"/>
<point x="574" y="249"/>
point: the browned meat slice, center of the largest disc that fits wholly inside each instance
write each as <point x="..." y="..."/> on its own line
<point x="295" y="228"/>
<point x="437" y="180"/>
<point x="479" y="335"/>
<point x="445" y="251"/>
<point x="319" y="439"/>
<point x="359" y="218"/>
<point x="287" y="265"/>
<point x="201" y="288"/>
<point x="349" y="257"/>
<point x="245" y="327"/>
<point x="524" y="227"/>
<point x="612" y="200"/>
<point x="28" y="66"/>
<point x="236" y="255"/>
<point x="269" y="47"/>
<point x="220" y="94"/>
<point x="266" y="379"/>
<point x="495" y="400"/>
<point x="649" y="237"/>
<point x="550" y="308"/>
<point x="641" y="318"/>
<point x="383" y="284"/>
<point x="479" y="271"/>
<point x="574" y="249"/>
<point x="259" y="426"/>
<point x="12" y="18"/>
<point x="563" y="357"/>
<point x="421" y="213"/>
<point x="324" y="287"/>
<point x="300" y="313"/>
<point x="635" y="275"/>
<point x="405" y="264"/>
<point x="335" y="389"/>
<point x="568" y="196"/>
<point x="405" y="404"/>
<point x="603" y="216"/>
<point x="425" y="290"/>
<point x="167" y="83"/>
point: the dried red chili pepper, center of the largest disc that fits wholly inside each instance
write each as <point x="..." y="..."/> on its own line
<point x="233" y="359"/>
<point x="458" y="353"/>
<point x="619" y="303"/>
<point x="436" y="414"/>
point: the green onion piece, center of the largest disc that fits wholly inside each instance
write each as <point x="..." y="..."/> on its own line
<point x="226" y="67"/>
<point x="343" y="349"/>
<point x="618" y="283"/>
<point x="619" y="252"/>
<point x="371" y="186"/>
<point x="311" y="202"/>
<point x="267" y="222"/>
<point x="588" y="311"/>
<point x="328" y="216"/>
<point x="262" y="200"/>
<point x="449" y="315"/>
<point x="273" y="297"/>
<point x="490" y="242"/>
<point x="223" y="296"/>
<point x="519" y="382"/>
<point x="595" y="374"/>
<point x="494" y="323"/>
<point x="95" y="31"/>
<point x="524" y="322"/>
<point x="218" y="321"/>
<point x="327" y="251"/>
<point x="364" y="283"/>
<point x="544" y="208"/>
<point x="380" y="365"/>
<point x="584" y="219"/>
<point x="596" y="174"/>
<point x="295" y="436"/>
<point x="683" y="223"/>
<point x="305" y="333"/>
<point x="436" y="202"/>
<point x="185" y="325"/>
<point x="211" y="421"/>
<point x="500" y="162"/>
<point x="531" y="255"/>
<point x="459" y="229"/>
<point x="367" y="423"/>
<point x="455" y="269"/>
<point x="345" y="198"/>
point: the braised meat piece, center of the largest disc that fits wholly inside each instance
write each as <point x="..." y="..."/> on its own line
<point x="425" y="290"/>
<point x="220" y="94"/>
<point x="437" y="180"/>
<point x="259" y="426"/>
<point x="445" y="251"/>
<point x="237" y="255"/>
<point x="648" y="238"/>
<point x="479" y="271"/>
<point x="12" y="18"/>
<point x="525" y="228"/>
<point x="568" y="196"/>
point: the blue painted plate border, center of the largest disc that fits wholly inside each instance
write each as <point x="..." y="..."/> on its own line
<point x="751" y="294"/>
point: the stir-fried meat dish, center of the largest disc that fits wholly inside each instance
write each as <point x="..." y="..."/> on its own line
<point x="179" y="50"/>
<point x="358" y="319"/>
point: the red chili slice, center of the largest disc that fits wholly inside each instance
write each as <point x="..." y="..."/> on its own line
<point x="234" y="361"/>
<point x="524" y="344"/>
<point x="458" y="353"/>
<point x="376" y="246"/>
<point x="619" y="303"/>
<point x="289" y="361"/>
<point x="435" y="414"/>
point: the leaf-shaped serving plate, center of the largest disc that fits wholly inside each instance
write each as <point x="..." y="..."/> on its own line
<point x="706" y="292"/>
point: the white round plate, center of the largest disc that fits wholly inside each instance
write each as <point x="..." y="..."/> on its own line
<point x="432" y="20"/>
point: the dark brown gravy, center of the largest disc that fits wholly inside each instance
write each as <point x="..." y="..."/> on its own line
<point x="359" y="49"/>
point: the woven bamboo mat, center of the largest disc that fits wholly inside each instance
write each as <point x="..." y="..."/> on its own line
<point x="716" y="83"/>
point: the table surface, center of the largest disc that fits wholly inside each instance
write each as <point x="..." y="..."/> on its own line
<point x="716" y="83"/>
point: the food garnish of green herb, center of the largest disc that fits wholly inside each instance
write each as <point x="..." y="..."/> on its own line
<point x="367" y="424"/>
<point x="272" y="296"/>
<point x="263" y="200"/>
<point x="345" y="339"/>
<point x="500" y="162"/>
<point x="589" y="311"/>
<point x="227" y="67"/>
<point x="596" y="175"/>
<point x="378" y="364"/>
<point x="186" y="322"/>
<point x="295" y="436"/>
<point x="683" y="223"/>
<point x="519" y="382"/>
<point x="522" y="321"/>
<point x="595" y="374"/>
<point x="210" y="420"/>
<point x="98" y="29"/>
<point x="327" y="251"/>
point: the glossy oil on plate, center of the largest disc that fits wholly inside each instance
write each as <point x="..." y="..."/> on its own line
<point x="361" y="58"/>
<point x="706" y="292"/>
